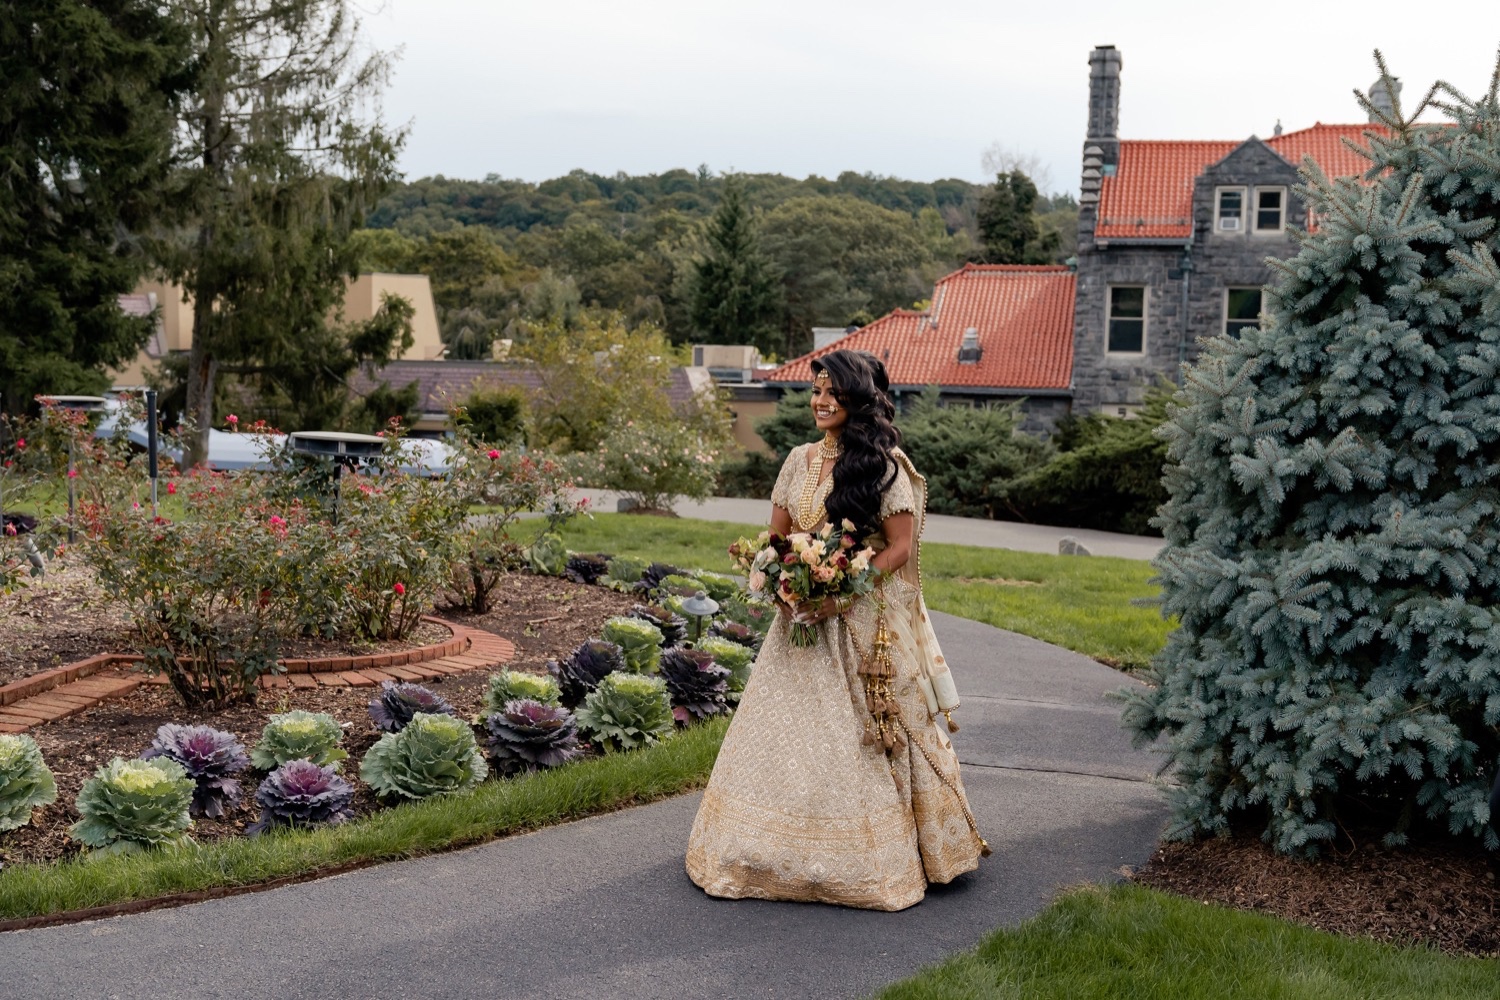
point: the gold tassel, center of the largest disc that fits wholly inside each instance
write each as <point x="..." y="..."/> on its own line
<point x="952" y="726"/>
<point x="984" y="848"/>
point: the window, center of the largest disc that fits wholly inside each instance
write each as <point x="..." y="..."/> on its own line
<point x="1270" y="210"/>
<point x="1127" y="320"/>
<point x="1241" y="310"/>
<point x="1229" y="210"/>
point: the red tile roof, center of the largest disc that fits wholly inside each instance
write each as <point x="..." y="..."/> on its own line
<point x="1150" y="195"/>
<point x="1023" y="314"/>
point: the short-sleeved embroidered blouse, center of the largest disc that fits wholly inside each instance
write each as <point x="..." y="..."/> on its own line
<point x="897" y="498"/>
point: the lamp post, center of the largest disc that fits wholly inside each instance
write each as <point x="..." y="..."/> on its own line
<point x="343" y="447"/>
<point x="88" y="404"/>
<point x="700" y="606"/>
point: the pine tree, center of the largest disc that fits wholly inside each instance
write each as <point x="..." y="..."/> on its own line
<point x="1333" y="528"/>
<point x="1008" y="227"/>
<point x="737" y="297"/>
<point x="85" y="122"/>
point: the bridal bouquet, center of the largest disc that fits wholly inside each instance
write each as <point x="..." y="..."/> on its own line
<point x="805" y="567"/>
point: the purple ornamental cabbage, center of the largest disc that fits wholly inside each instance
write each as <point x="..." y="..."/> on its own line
<point x="300" y="793"/>
<point x="657" y="572"/>
<point x="673" y="626"/>
<point x="209" y="756"/>
<point x="699" y="687"/>
<point x="397" y="703"/>
<point x="580" y="672"/>
<point x="735" y="632"/>
<point x="587" y="569"/>
<point x="528" y="736"/>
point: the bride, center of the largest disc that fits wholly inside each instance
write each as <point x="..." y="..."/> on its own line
<point x="803" y="804"/>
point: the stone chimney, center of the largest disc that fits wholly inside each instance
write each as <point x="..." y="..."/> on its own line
<point x="1101" y="146"/>
<point x="1383" y="98"/>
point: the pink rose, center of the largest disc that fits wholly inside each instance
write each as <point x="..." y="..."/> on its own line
<point x="824" y="574"/>
<point x="810" y="556"/>
<point x="399" y="588"/>
<point x="171" y="488"/>
<point x="72" y="473"/>
<point x="232" y="420"/>
<point x="757" y="579"/>
<point x="494" y="454"/>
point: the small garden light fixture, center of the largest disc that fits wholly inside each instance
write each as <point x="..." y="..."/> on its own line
<point x="700" y="606"/>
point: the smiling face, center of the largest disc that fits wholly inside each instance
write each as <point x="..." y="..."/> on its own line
<point x="828" y="413"/>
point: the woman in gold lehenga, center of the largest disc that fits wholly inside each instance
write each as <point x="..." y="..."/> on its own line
<point x="806" y="802"/>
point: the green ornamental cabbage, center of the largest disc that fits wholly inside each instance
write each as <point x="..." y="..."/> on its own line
<point x="731" y="656"/>
<point x="298" y="735"/>
<point x="720" y="586"/>
<point x="25" y="781"/>
<point x="639" y="640"/>
<point x="626" y="711"/>
<point x="433" y="755"/>
<point x="130" y="805"/>
<point x="673" y="582"/>
<point x="547" y="555"/>
<point x="627" y="569"/>
<point x="517" y="685"/>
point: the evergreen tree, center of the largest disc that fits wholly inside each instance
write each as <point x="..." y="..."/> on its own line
<point x="85" y="126"/>
<point x="737" y="295"/>
<point x="1008" y="229"/>
<point x="282" y="168"/>
<point x="1333" y="527"/>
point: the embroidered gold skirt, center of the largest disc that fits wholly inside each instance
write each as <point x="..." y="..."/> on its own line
<point x="798" y="809"/>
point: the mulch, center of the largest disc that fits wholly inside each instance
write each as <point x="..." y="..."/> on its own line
<point x="546" y="619"/>
<point x="1441" y="893"/>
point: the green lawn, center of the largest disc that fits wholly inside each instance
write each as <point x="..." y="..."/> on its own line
<point x="1130" y="942"/>
<point x="1082" y="604"/>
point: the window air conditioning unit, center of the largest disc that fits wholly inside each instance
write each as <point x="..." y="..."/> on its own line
<point x="1229" y="222"/>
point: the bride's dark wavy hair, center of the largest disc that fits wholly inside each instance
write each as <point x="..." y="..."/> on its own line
<point x="866" y="467"/>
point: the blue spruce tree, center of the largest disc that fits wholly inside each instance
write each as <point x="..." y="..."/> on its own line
<point x="1333" y="527"/>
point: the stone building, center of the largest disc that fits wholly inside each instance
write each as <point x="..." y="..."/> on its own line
<point x="1173" y="237"/>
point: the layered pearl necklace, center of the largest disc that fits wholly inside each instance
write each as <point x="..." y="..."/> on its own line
<point x="811" y="511"/>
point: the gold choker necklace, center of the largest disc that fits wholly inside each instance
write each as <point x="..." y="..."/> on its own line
<point x="830" y="446"/>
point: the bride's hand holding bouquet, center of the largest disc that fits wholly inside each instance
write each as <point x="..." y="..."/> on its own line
<point x="806" y="567"/>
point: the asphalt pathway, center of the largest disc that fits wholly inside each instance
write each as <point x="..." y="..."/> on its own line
<point x="603" y="908"/>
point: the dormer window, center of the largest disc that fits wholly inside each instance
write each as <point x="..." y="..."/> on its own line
<point x="969" y="351"/>
<point x="1229" y="210"/>
<point x="1270" y="210"/>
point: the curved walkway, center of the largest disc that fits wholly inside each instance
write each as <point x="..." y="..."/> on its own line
<point x="602" y="907"/>
<point x="940" y="527"/>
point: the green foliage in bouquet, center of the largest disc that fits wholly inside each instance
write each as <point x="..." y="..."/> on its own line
<point x="638" y="639"/>
<point x="517" y="685"/>
<point x="25" y="781"/>
<point x="733" y="657"/>
<point x="298" y="735"/>
<point x="547" y="555"/>
<point x="130" y="805"/>
<point x="433" y="755"/>
<point x="626" y="711"/>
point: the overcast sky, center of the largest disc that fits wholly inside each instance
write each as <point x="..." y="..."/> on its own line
<point x="534" y="88"/>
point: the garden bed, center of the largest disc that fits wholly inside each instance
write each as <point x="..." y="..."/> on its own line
<point x="546" y="618"/>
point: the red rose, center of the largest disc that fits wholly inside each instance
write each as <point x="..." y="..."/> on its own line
<point x="399" y="588"/>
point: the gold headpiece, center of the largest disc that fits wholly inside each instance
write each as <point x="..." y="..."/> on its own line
<point x="822" y="377"/>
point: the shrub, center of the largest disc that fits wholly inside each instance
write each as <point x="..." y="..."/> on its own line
<point x="526" y="735"/>
<point x="547" y="555"/>
<point x="397" y="703"/>
<point x="517" y="685"/>
<point x="300" y="793"/>
<point x="582" y="670"/>
<point x="730" y="655"/>
<point x="495" y="416"/>
<point x="751" y="475"/>
<point x="967" y="453"/>
<point x="25" y="781"/>
<point x="626" y="711"/>
<point x="210" y="756"/>
<point x="655" y="463"/>
<point x="639" y="641"/>
<point x="699" y="687"/>
<point x="587" y="569"/>
<point x="130" y="805"/>
<point x="298" y="735"/>
<point x="672" y="626"/>
<point x="433" y="755"/>
<point x="1109" y="477"/>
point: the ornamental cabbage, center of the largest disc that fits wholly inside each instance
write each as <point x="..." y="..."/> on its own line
<point x="699" y="687"/>
<point x="732" y="656"/>
<point x="587" y="569"/>
<point x="673" y="627"/>
<point x="639" y="641"/>
<point x="581" y="672"/>
<point x="433" y="755"/>
<point x="720" y="586"/>
<point x="209" y="756"/>
<point x="742" y="635"/>
<point x="300" y="793"/>
<point x="25" y="781"/>
<point x="676" y="583"/>
<point x="527" y="735"/>
<point x="653" y="575"/>
<point x="130" y="805"/>
<point x="397" y="703"/>
<point x="626" y="711"/>
<point x="298" y="735"/>
<point x="627" y="569"/>
<point x="547" y="555"/>
<point x="514" y="685"/>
